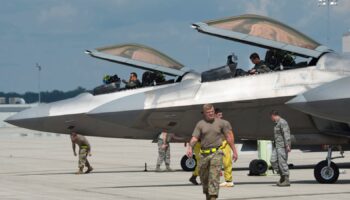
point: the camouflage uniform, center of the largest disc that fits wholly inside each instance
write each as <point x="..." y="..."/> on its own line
<point x="211" y="136"/>
<point x="84" y="149"/>
<point x="83" y="161"/>
<point x="210" y="168"/>
<point x="279" y="155"/>
<point x="163" y="154"/>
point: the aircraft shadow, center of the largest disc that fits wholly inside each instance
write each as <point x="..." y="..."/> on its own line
<point x="289" y="195"/>
<point x="339" y="182"/>
<point x="146" y="186"/>
<point x="291" y="166"/>
<point x="94" y="172"/>
<point x="272" y="183"/>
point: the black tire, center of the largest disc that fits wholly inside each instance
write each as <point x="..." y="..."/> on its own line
<point x="325" y="174"/>
<point x="257" y="167"/>
<point x="188" y="164"/>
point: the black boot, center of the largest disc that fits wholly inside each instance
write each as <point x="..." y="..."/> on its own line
<point x="285" y="182"/>
<point x="281" y="180"/>
<point x="193" y="180"/>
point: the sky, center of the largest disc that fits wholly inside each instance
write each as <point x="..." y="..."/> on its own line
<point x="55" y="34"/>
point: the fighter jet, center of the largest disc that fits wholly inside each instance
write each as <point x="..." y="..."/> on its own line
<point x="308" y="85"/>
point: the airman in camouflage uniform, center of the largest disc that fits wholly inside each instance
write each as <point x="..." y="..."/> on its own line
<point x="163" y="151"/>
<point x="84" y="151"/>
<point x="210" y="132"/>
<point x="281" y="148"/>
<point x="164" y="139"/>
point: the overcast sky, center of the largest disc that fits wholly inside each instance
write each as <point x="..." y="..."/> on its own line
<point x="55" y="33"/>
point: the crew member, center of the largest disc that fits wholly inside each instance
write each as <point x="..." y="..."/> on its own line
<point x="164" y="139"/>
<point x="210" y="132"/>
<point x="227" y="157"/>
<point x="133" y="81"/>
<point x="84" y="151"/>
<point x="260" y="66"/>
<point x="281" y="148"/>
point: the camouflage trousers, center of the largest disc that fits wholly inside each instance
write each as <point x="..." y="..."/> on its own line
<point x="83" y="161"/>
<point x="163" y="155"/>
<point x="279" y="160"/>
<point x="210" y="168"/>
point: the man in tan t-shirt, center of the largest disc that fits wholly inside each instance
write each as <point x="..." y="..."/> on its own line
<point x="210" y="132"/>
<point x="84" y="151"/>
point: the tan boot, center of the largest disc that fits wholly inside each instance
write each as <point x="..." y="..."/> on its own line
<point x="168" y="169"/>
<point x="285" y="183"/>
<point x="80" y="171"/>
<point x="158" y="169"/>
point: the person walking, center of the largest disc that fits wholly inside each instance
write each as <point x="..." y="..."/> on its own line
<point x="210" y="132"/>
<point x="281" y="148"/>
<point x="84" y="151"/>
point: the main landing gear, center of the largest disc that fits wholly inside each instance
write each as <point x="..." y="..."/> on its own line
<point x="327" y="171"/>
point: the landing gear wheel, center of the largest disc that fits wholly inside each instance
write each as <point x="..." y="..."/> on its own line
<point x="325" y="174"/>
<point x="257" y="167"/>
<point x="188" y="164"/>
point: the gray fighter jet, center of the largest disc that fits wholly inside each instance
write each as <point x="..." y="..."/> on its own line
<point x="308" y="84"/>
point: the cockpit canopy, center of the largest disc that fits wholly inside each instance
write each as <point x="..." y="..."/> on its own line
<point x="263" y="32"/>
<point x="265" y="28"/>
<point x="139" y="56"/>
<point x="141" y="53"/>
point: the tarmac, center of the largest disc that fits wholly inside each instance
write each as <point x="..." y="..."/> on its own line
<point x="37" y="165"/>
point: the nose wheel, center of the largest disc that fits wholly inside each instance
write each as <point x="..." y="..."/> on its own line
<point x="326" y="174"/>
<point x="188" y="164"/>
<point x="327" y="171"/>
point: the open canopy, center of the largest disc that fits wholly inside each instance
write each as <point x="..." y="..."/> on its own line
<point x="263" y="32"/>
<point x="139" y="56"/>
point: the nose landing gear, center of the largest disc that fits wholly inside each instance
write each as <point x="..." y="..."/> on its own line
<point x="327" y="171"/>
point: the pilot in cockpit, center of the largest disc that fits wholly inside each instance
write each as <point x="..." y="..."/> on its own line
<point x="133" y="81"/>
<point x="260" y="66"/>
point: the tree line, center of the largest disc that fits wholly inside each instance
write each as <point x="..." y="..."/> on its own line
<point x="46" y="97"/>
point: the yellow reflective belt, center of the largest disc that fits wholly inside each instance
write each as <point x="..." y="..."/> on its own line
<point x="207" y="151"/>
<point x="84" y="147"/>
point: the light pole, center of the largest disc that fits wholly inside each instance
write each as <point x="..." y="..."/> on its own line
<point x="39" y="92"/>
<point x="328" y="3"/>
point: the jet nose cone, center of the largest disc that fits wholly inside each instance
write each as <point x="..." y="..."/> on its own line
<point x="28" y="118"/>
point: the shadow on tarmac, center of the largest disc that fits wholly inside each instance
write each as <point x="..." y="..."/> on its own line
<point x="236" y="183"/>
<point x="94" y="172"/>
<point x="302" y="182"/>
<point x="292" y="167"/>
<point x="146" y="186"/>
<point x="291" y="195"/>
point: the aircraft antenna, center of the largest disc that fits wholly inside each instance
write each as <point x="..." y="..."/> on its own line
<point x="39" y="77"/>
<point x="328" y="3"/>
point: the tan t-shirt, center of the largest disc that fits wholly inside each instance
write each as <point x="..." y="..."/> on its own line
<point x="211" y="133"/>
<point x="80" y="140"/>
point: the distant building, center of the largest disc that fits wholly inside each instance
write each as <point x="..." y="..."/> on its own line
<point x="346" y="42"/>
<point x="16" y="100"/>
<point x="2" y="100"/>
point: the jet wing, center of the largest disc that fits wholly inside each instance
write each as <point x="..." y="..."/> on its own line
<point x="139" y="56"/>
<point x="262" y="32"/>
